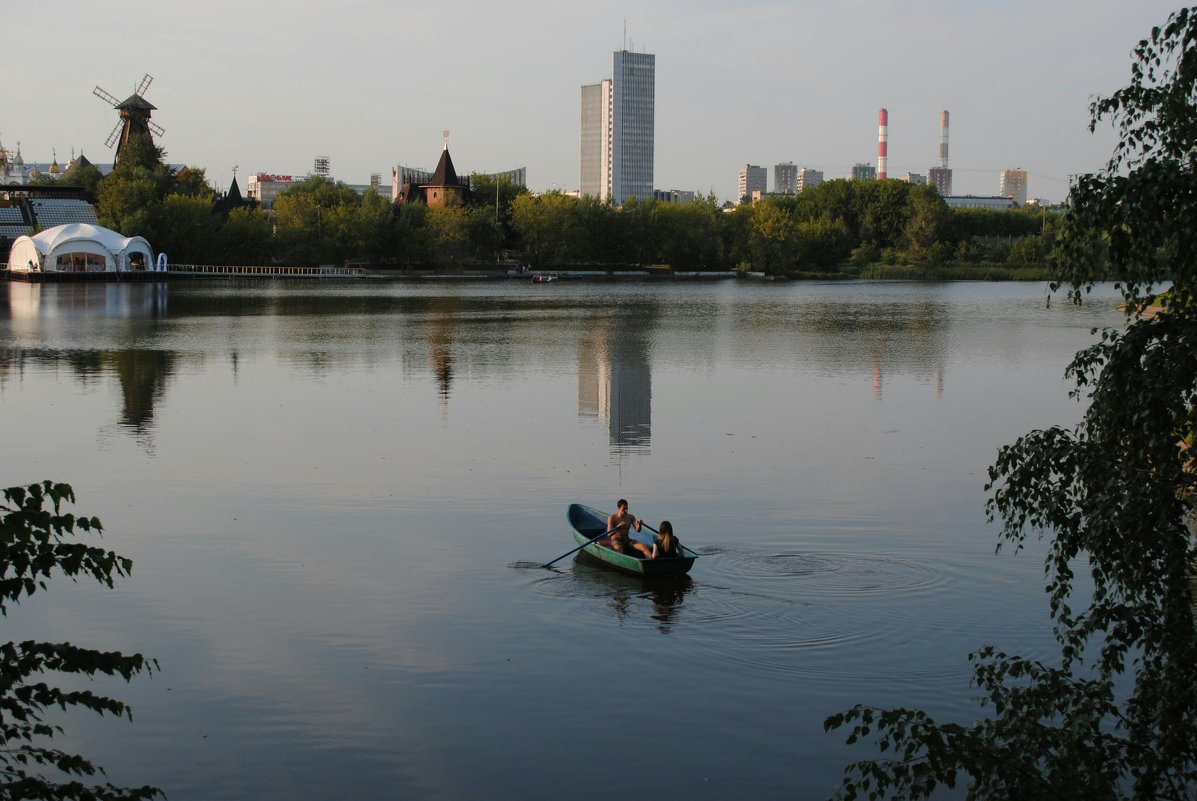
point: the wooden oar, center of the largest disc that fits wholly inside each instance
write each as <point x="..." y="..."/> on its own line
<point x="580" y="547"/>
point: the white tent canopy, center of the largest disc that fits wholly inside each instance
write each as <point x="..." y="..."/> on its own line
<point x="79" y="247"/>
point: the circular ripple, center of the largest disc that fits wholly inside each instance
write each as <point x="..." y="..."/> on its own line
<point x="825" y="574"/>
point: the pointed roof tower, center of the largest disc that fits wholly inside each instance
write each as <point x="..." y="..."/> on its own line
<point x="234" y="193"/>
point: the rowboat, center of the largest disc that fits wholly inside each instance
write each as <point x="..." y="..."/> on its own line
<point x="588" y="523"/>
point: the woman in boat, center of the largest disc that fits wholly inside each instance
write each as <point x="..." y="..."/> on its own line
<point x="665" y="544"/>
<point x="620" y="525"/>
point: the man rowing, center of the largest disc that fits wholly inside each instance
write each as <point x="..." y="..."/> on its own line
<point x="620" y="525"/>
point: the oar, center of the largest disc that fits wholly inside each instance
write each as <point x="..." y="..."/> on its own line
<point x="583" y="545"/>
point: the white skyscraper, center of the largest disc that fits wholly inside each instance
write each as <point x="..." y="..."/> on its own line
<point x="596" y="140"/>
<point x="618" y="130"/>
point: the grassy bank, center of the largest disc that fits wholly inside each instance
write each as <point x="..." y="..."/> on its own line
<point x="956" y="272"/>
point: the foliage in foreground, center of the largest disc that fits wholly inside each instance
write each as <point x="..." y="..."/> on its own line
<point x="37" y="543"/>
<point x="1117" y="717"/>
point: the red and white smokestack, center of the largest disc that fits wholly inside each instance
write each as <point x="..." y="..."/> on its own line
<point x="882" y="144"/>
<point x="943" y="139"/>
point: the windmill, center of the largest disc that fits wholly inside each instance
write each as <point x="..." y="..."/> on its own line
<point x="135" y="116"/>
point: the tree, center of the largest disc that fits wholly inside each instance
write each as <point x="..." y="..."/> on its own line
<point x="246" y="237"/>
<point x="1117" y="717"/>
<point x="449" y="232"/>
<point x="548" y="227"/>
<point x="928" y="222"/>
<point x="186" y="228"/>
<point x="35" y="545"/>
<point x="193" y="181"/>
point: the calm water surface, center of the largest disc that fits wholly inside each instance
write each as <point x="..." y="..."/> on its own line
<point x="335" y="494"/>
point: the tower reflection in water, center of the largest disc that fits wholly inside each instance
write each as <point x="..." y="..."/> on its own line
<point x="615" y="381"/>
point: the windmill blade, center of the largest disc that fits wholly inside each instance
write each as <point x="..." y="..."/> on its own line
<point x="147" y="122"/>
<point x="107" y="98"/>
<point x="145" y="84"/>
<point x="111" y="140"/>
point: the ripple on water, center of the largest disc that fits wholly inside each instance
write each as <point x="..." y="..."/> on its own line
<point x="824" y="574"/>
<point x="815" y="616"/>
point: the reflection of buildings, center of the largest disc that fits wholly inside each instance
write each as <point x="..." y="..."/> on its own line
<point x="615" y="382"/>
<point x="440" y="343"/>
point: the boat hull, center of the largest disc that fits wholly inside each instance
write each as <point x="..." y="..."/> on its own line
<point x="586" y="523"/>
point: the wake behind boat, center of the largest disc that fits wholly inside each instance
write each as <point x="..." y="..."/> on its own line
<point x="588" y="523"/>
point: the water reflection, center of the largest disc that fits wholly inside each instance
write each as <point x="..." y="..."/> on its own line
<point x="615" y="377"/>
<point x="626" y="594"/>
<point x="444" y="313"/>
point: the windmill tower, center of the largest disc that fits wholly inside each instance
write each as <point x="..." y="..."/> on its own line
<point x="135" y="116"/>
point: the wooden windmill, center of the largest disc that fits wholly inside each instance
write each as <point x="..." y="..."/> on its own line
<point x="135" y="116"/>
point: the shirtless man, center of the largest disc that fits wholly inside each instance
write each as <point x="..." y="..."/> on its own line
<point x="620" y="524"/>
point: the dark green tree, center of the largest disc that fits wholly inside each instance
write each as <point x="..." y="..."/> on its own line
<point x="1117" y="716"/>
<point x="36" y="544"/>
<point x="246" y="237"/>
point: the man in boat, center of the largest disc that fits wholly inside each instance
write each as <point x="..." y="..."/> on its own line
<point x="620" y="525"/>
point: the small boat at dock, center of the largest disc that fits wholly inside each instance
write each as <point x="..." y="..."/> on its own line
<point x="588" y="523"/>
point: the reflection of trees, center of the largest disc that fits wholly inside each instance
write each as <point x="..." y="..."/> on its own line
<point x="142" y="374"/>
<point x="615" y="375"/>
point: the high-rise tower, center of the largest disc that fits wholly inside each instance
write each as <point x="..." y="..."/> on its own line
<point x="596" y="140"/>
<point x="618" y="130"/>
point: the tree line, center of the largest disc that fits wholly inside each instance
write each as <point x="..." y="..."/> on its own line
<point x="838" y="226"/>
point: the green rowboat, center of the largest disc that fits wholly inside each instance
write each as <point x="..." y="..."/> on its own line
<point x="588" y="523"/>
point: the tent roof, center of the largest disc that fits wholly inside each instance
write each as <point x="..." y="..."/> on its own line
<point x="110" y="240"/>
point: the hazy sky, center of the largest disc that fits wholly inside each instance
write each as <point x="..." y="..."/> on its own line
<point x="270" y="85"/>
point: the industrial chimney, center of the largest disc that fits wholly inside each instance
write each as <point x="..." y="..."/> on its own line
<point x="943" y="139"/>
<point x="882" y="144"/>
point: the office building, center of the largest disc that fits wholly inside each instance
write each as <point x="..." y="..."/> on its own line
<point x="596" y="140"/>
<point x="619" y="129"/>
<point x="752" y="179"/>
<point x="679" y="196"/>
<point x="265" y="187"/>
<point x="1013" y="184"/>
<point x="979" y="202"/>
<point x="785" y="179"/>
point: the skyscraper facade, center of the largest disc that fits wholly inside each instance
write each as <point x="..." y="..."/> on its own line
<point x="633" y="120"/>
<point x="596" y="140"/>
<point x="619" y="129"/>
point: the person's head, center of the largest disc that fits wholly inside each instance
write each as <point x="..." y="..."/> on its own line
<point x="667" y="538"/>
<point x="622" y="505"/>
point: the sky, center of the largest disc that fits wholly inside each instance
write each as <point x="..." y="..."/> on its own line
<point x="267" y="86"/>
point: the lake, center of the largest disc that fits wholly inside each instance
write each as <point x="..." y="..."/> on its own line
<point x="338" y="495"/>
